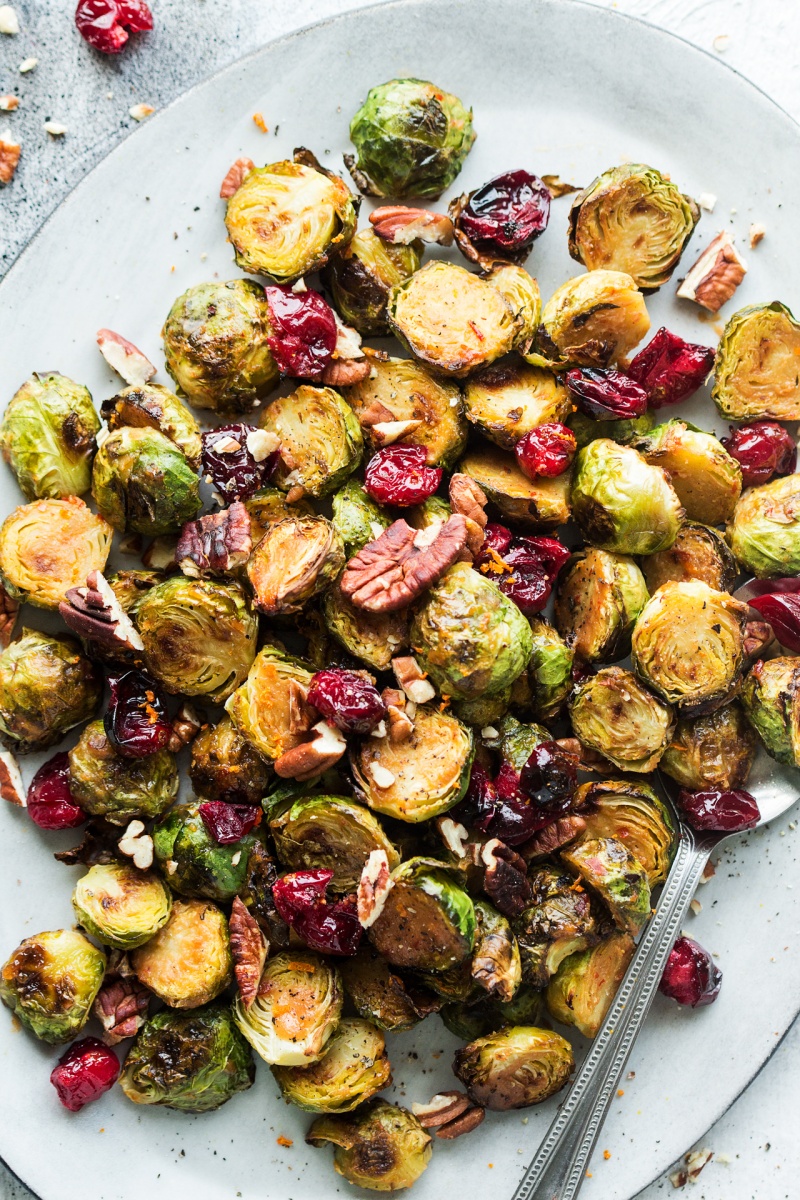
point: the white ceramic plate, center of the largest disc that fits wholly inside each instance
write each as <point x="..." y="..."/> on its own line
<point x="558" y="87"/>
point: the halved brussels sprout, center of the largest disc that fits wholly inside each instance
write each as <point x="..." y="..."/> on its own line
<point x="532" y="503"/>
<point x="713" y="751"/>
<point x="515" y="1067"/>
<point x="151" y="406"/>
<point x="771" y="701"/>
<point x="586" y="429"/>
<point x="380" y="995"/>
<point x="688" y="645"/>
<point x="521" y="291"/>
<point x="429" y="772"/>
<point x="375" y="638"/>
<point x="607" y="866"/>
<point x="621" y="502"/>
<point x="356" y="517"/>
<point x="295" y="560"/>
<point x="764" y="533"/>
<point x="412" y="139"/>
<point x="594" y="319"/>
<point x="319" y="435"/>
<point x="330" y="833"/>
<point x="216" y="345"/>
<point x="600" y="595"/>
<point x="120" y="905"/>
<point x="559" y="922"/>
<point x="362" y="275"/>
<point x="380" y="1148"/>
<point x="224" y="766"/>
<point x="496" y="965"/>
<point x="549" y="671"/>
<point x="106" y="784"/>
<point x="141" y="482"/>
<point x="517" y="741"/>
<point x="612" y="713"/>
<point x="192" y="1061"/>
<point x="634" y="814"/>
<point x="706" y="479"/>
<point x="469" y="637"/>
<point x="583" y="989"/>
<point x="188" y="962"/>
<point x="485" y="710"/>
<point x="50" y="982"/>
<point x="455" y="985"/>
<point x="50" y="546"/>
<point x="199" y="636"/>
<point x="268" y="506"/>
<point x="194" y="862"/>
<point x="46" y="687"/>
<point x="353" y="1069"/>
<point x="509" y="399"/>
<point x="296" y="1011"/>
<point x="428" y="921"/>
<point x="698" y="552"/>
<point x="47" y="436"/>
<point x="260" y="708"/>
<point x="634" y="219"/>
<point x="756" y="376"/>
<point x="130" y="586"/>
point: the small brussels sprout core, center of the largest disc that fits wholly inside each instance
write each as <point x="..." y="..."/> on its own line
<point x="607" y="866"/>
<point x="428" y="921"/>
<point x="192" y="1061"/>
<point x="594" y="319"/>
<point x="120" y="905"/>
<point x="495" y="965"/>
<point x="198" y="865"/>
<point x="353" y="1069"/>
<point x="706" y="479"/>
<point x="381" y="1148"/>
<point x="634" y="219"/>
<point x="319" y="436"/>
<point x="46" y="687"/>
<point x="47" y="437"/>
<point x="142" y="483"/>
<point x="261" y="708"/>
<point x="296" y="1011"/>
<point x="688" y="645"/>
<point x="764" y="534"/>
<point x="295" y="560"/>
<point x="356" y="517"/>
<point x="362" y="275"/>
<point x="151" y="406"/>
<point x="583" y="989"/>
<point x="50" y="982"/>
<point x="612" y="713"/>
<point x="771" y="701"/>
<point x="521" y="292"/>
<point x="509" y="399"/>
<point x="621" y="502"/>
<point x="549" y="671"/>
<point x="411" y="138"/>
<point x="713" y="751"/>
<point x="531" y="503"/>
<point x="755" y="376"/>
<point x="698" y="552"/>
<point x="224" y="766"/>
<point x="106" y="784"/>
<point x="600" y="595"/>
<point x="330" y="833"/>
<point x="375" y="638"/>
<point x="515" y="1067"/>
<point x="634" y="814"/>
<point x="199" y="636"/>
<point x="188" y="962"/>
<point x="50" y="546"/>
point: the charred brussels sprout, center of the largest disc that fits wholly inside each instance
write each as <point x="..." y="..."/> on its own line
<point x="188" y="962"/>
<point x="515" y="1067"/>
<point x="486" y="710"/>
<point x="151" y="406"/>
<point x="268" y="506"/>
<point x="713" y="751"/>
<point x="199" y="636"/>
<point x="47" y="437"/>
<point x="356" y="517"/>
<point x="50" y="546"/>
<point x="559" y="922"/>
<point x="224" y="766"/>
<point x="594" y="319"/>
<point x="621" y="502"/>
<point x="261" y="708"/>
<point x="584" y="987"/>
<point x="50" y="982"/>
<point x="411" y="138"/>
<point x="330" y="833"/>
<point x="106" y="784"/>
<point x="46" y="687"/>
<point x="706" y="479"/>
<point x="756" y="375"/>
<point x="198" y="865"/>
<point x="517" y="741"/>
<point x="587" y="429"/>
<point x="698" y="552"/>
<point x="375" y="638"/>
<point x="612" y="713"/>
<point x="771" y="701"/>
<point x="764" y="534"/>
<point x="295" y="560"/>
<point x="380" y="995"/>
<point x="532" y="503"/>
<point x="495" y="963"/>
<point x="619" y="879"/>
<point x="428" y="921"/>
<point x="361" y="277"/>
<point x="353" y="1069"/>
<point x="296" y="1012"/>
<point x="509" y="399"/>
<point x="192" y="1061"/>
<point x="319" y="434"/>
<point x="141" y="482"/>
<point x="549" y="671"/>
<point x="380" y="1147"/>
<point x="600" y="595"/>
<point x="120" y="905"/>
<point x="634" y="815"/>
<point x="632" y="218"/>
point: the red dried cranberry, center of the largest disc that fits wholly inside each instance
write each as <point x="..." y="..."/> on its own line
<point x="782" y="610"/>
<point x="525" y="569"/>
<point x="331" y="927"/>
<point x="530" y="590"/>
<point x="606" y="394"/>
<point x="84" y="1073"/>
<point x="351" y="702"/>
<point x="303" y="331"/>
<point x="548" y="552"/>
<point x="105" y="24"/>
<point x="671" y="369"/>
<point x="547" y="450"/>
<point x="399" y="475"/>
<point x="498" y="808"/>
<point x="235" y="474"/>
<point x="228" y="823"/>
<point x="507" y="214"/>
<point x="51" y="804"/>
<point x="581" y="671"/>
<point x="136" y="721"/>
<point x="727" y="812"/>
<point x="691" y="976"/>
<point x="762" y="449"/>
<point x="549" y="777"/>
<point x="497" y="537"/>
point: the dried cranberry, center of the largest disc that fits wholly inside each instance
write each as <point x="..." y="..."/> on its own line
<point x="480" y="799"/>
<point x="347" y="699"/>
<point x="332" y="927"/>
<point x="525" y="569"/>
<point x="228" y="823"/>
<point x="782" y="610"/>
<point x="530" y="590"/>
<point x="105" y="24"/>
<point x="498" y="808"/>
<point x="691" y="976"/>
<point x="549" y="777"/>
<point x="136" y="721"/>
<point x="507" y="214"/>
<point x="606" y="394"/>
<point x="84" y="1073"/>
<point x="727" y="812"/>
<point x="303" y="331"/>
<point x="581" y="671"/>
<point x="399" y="475"/>
<point x="762" y="449"/>
<point x="547" y="450"/>
<point x="671" y="369"/>
<point x="51" y="804"/>
<point x="548" y="552"/>
<point x="233" y="472"/>
<point x="497" y="537"/>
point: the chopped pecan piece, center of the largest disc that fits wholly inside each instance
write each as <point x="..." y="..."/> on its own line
<point x="185" y="728"/>
<point x="137" y="844"/>
<point x="757" y="234"/>
<point x="409" y="675"/>
<point x="236" y="177"/>
<point x="301" y="715"/>
<point x="401" y="226"/>
<point x="125" y="358"/>
<point x="12" y="789"/>
<point x="9" y="611"/>
<point x="121" y="1008"/>
<point x="467" y="497"/>
<point x="341" y="372"/>
<point x="249" y="951"/>
<point x="386" y="433"/>
<point x="553" y="837"/>
<point x="758" y="636"/>
<point x="401" y="726"/>
<point x="94" y="612"/>
<point x="441" y="1108"/>
<point x="215" y="544"/>
<point x="160" y="554"/>
<point x="469" y="1120"/>
<point x="373" y="888"/>
<point x="390" y="572"/>
<point x="375" y="414"/>
<point x="313" y="757"/>
<point x="454" y="835"/>
<point x="716" y="275"/>
<point x="9" y="103"/>
<point x="9" y="157"/>
<point x="505" y="880"/>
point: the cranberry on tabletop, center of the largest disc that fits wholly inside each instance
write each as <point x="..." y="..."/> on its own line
<point x="303" y="331"/>
<point x="723" y="812"/>
<point x="136" y="721"/>
<point x="228" y="823"/>
<point x="606" y="394"/>
<point x="546" y="451"/>
<point x="105" y="24"/>
<point x="346" y="698"/>
<point x="762" y="449"/>
<point x="230" y="465"/>
<point x="84" y="1073"/>
<point x="671" y="369"/>
<point x="691" y="976"/>
<point x="50" y="802"/>
<point x="399" y="475"/>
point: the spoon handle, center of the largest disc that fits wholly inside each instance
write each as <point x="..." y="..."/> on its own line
<point x="559" y="1166"/>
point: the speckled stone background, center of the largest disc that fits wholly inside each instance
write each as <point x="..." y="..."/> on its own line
<point x="92" y="95"/>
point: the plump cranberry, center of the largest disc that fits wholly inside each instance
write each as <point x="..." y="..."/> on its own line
<point x="606" y="394"/>
<point x="525" y="568"/>
<point x="529" y="591"/>
<point x="235" y="474"/>
<point x="84" y="1073"/>
<point x="727" y="812"/>
<point x="762" y="449"/>
<point x="497" y="537"/>
<point x="105" y="24"/>
<point x="549" y="552"/>
<point x="547" y="450"/>
<point x="782" y="610"/>
<point x="228" y="823"/>
<point x="136" y="721"/>
<point x="303" y="331"/>
<point x="498" y="808"/>
<point x="549" y="777"/>
<point x="51" y="804"/>
<point x="332" y="927"/>
<point x="347" y="699"/>
<point x="671" y="369"/>
<point x="398" y="475"/>
<point x="581" y="671"/>
<point x="691" y="976"/>
<point x="507" y="214"/>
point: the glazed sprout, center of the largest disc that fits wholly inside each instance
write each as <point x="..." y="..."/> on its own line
<point x="706" y="479"/>
<point x="46" y="687"/>
<point x="319" y="435"/>
<point x="622" y="503"/>
<point x="771" y="701"/>
<point x="411" y="139"/>
<point x="296" y="1011"/>
<point x="688" y="646"/>
<point x="375" y="638"/>
<point x="356" y="517"/>
<point x="192" y="1061"/>
<point x="509" y="399"/>
<point x="50" y="982"/>
<point x="50" y="546"/>
<point x="600" y="596"/>
<point x="362" y="275"/>
<point x="516" y="741"/>
<point x="584" y="987"/>
<point x="353" y="1069"/>
<point x="261" y="708"/>
<point x="607" y="866"/>
<point x="151" y="406"/>
<point x="485" y="710"/>
<point x="713" y="751"/>
<point x="295" y="560"/>
<point x="330" y="833"/>
<point x="142" y="483"/>
<point x="586" y="429"/>
<point x="495" y="965"/>
<point x="634" y="814"/>
<point x="120" y="905"/>
<point x="698" y="552"/>
<point x="559" y="922"/>
<point x="476" y="1019"/>
<point x="47" y="436"/>
<point x="531" y="503"/>
<point x="199" y="636"/>
<point x="515" y="1067"/>
<point x="521" y="292"/>
<point x="427" y="921"/>
<point x="613" y="714"/>
<point x="549" y="670"/>
<point x="224" y="766"/>
<point x="633" y="219"/>
<point x="764" y="534"/>
<point x="269" y="505"/>
<point x="594" y="319"/>
<point x="106" y="784"/>
<point x="381" y="996"/>
<point x="755" y="376"/>
<point x="380" y="1147"/>
<point x="194" y="862"/>
<point x="188" y="962"/>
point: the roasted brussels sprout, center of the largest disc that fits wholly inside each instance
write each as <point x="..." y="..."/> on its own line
<point x="47" y="436"/>
<point x="756" y="376"/>
<point x="46" y="687"/>
<point x="50" y="982"/>
<point x="353" y="1069"/>
<point x="594" y="319"/>
<point x="517" y="741"/>
<point x="296" y="1011"/>
<point x="509" y="399"/>
<point x="120" y="905"/>
<point x="224" y="766"/>
<point x="621" y="502"/>
<point x="688" y="645"/>
<point x="619" y="879"/>
<point x="362" y="275"/>
<point x="521" y="291"/>
<point x="706" y="479"/>
<point x="380" y="1148"/>
<point x="515" y="1067"/>
<point x="268" y="506"/>
<point x="188" y="962"/>
<point x="142" y="483"/>
<point x="106" y="784"/>
<point x="428" y="921"/>
<point x="600" y="595"/>
<point x="411" y="138"/>
<point x="495" y="963"/>
<point x="295" y="560"/>
<point x="612" y="713"/>
<point x="634" y="219"/>
<point x="199" y="636"/>
<point x="771" y="701"/>
<point x="356" y="517"/>
<point x="485" y="710"/>
<point x="260" y="708"/>
<point x="764" y="533"/>
<point x="634" y="815"/>
<point x="380" y="995"/>
<point x="713" y="751"/>
<point x="216" y="345"/>
<point x="130" y="586"/>
<point x="584" y="987"/>
<point x="698" y="552"/>
<point x="559" y="922"/>
<point x="532" y="503"/>
<point x="154" y="407"/>
<point x="192" y="1061"/>
<point x="196" y="864"/>
<point x="549" y="671"/>
<point x="586" y="429"/>
<point x="331" y="833"/>
<point x="50" y="546"/>
<point x="375" y="638"/>
<point x="319" y="434"/>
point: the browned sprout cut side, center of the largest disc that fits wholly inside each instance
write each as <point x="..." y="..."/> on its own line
<point x="188" y="962"/>
<point x="50" y="546"/>
<point x="584" y="987"/>
<point x="362" y="275"/>
<point x="294" y="561"/>
<point x="613" y="714"/>
<point x="593" y="320"/>
<point x="531" y="503"/>
<point x="515" y="1067"/>
<point x="756" y="375"/>
<point x="713" y="751"/>
<point x="698" y="552"/>
<point x="600" y="595"/>
<point x="380" y="1147"/>
<point x="321" y="442"/>
<point x="706" y="479"/>
<point x="509" y="399"/>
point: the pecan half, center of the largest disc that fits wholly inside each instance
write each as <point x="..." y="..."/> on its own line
<point x="468" y="498"/>
<point x="505" y="880"/>
<point x="401" y="226"/>
<point x="236" y="177"/>
<point x="125" y="358"/>
<point x="373" y="888"/>
<point x="313" y="757"/>
<point x="553" y="837"/>
<point x="185" y="727"/>
<point x="12" y="789"/>
<point x="341" y="372"/>
<point x="121" y="1008"/>
<point x="249" y="951"/>
<point x="441" y="1108"/>
<point x="9" y="158"/>
<point x="409" y="675"/>
<point x="94" y="612"/>
<point x="469" y="1120"/>
<point x="390" y="572"/>
<point x="401" y="726"/>
<point x="215" y="544"/>
<point x="716" y="275"/>
<point x="9" y="612"/>
<point x="301" y="715"/>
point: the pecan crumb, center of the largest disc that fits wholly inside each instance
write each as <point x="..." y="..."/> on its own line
<point x="12" y="789"/>
<point x="441" y="1108"/>
<point x="301" y="715"/>
<point x="137" y="844"/>
<point x="467" y="497"/>
<point x="236" y="177"/>
<point x="342" y="372"/>
<point x="757" y="234"/>
<point x="185" y="728"/>
<point x="9" y="158"/>
<point x="468" y="1121"/>
<point x="9" y="103"/>
<point x="215" y="544"/>
<point x="249" y="951"/>
<point x="411" y="679"/>
<point x="401" y="725"/>
<point x="390" y="572"/>
<point x="375" y="414"/>
<point x="123" y="357"/>
<point x="716" y="275"/>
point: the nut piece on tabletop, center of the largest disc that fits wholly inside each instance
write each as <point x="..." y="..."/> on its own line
<point x="121" y="1008"/>
<point x="374" y="886"/>
<point x="94" y="612"/>
<point x="138" y="845"/>
<point x="9" y="158"/>
<point x="125" y="358"/>
<point x="451" y="1114"/>
<point x="249" y="951"/>
<point x="392" y="571"/>
<point x="235" y="177"/>
<point x="313" y="757"/>
<point x="401" y="226"/>
<point x="215" y="544"/>
<point x="716" y="275"/>
<point x="12" y="789"/>
<point x="411" y="679"/>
